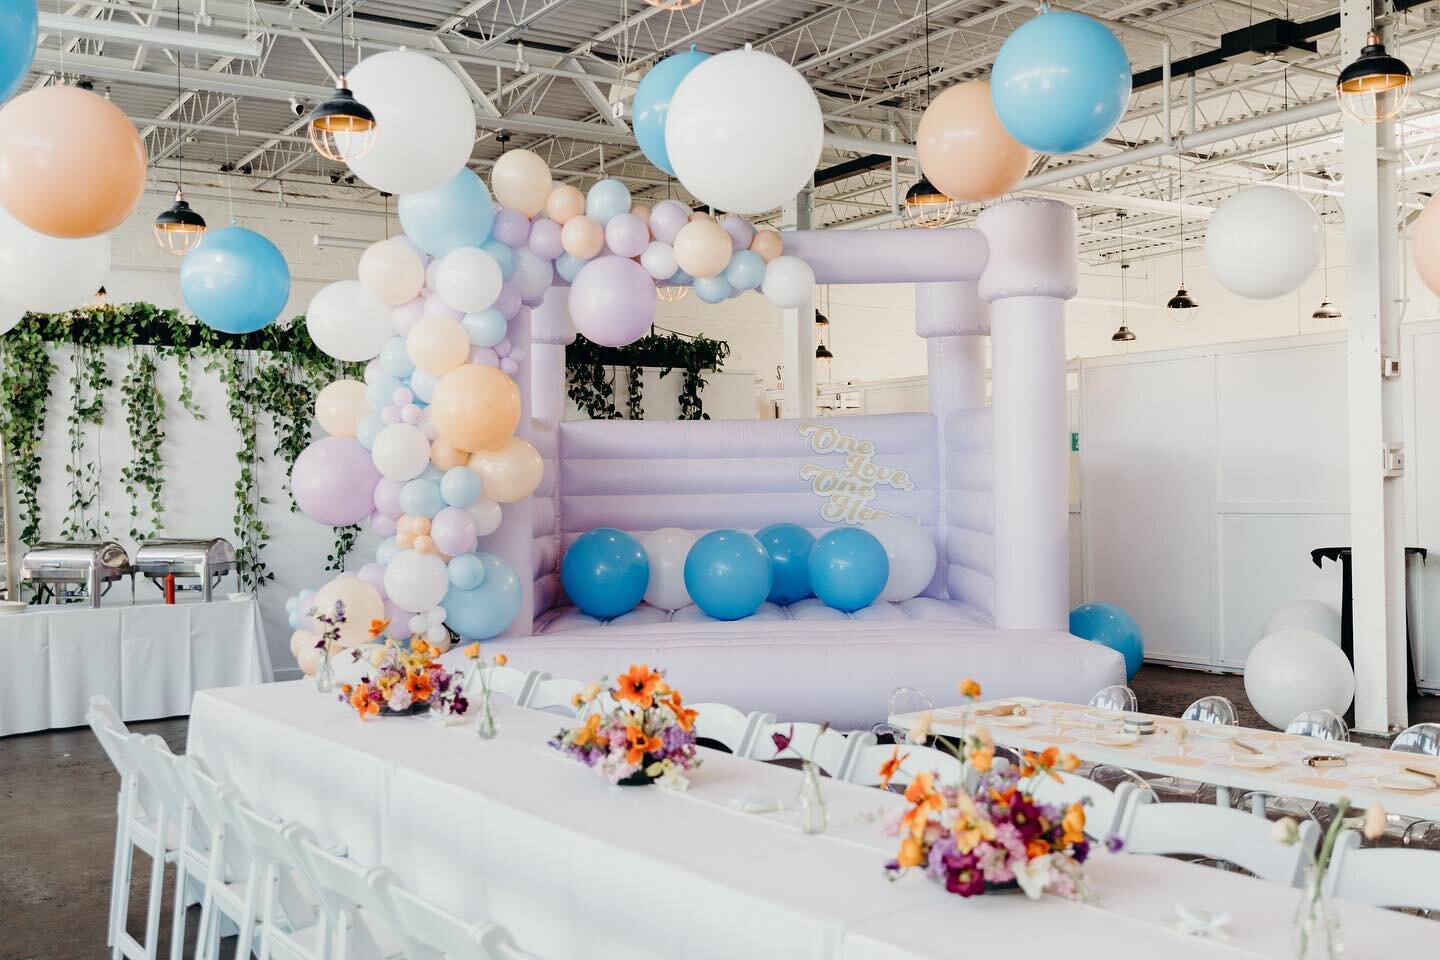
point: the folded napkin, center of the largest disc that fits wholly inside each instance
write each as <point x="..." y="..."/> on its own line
<point x="1201" y="923"/>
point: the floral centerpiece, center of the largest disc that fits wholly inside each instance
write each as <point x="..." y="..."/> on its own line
<point x="403" y="681"/>
<point x="995" y="834"/>
<point x="648" y="736"/>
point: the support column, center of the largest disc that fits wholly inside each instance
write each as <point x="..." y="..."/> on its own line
<point x="799" y="326"/>
<point x="1030" y="274"/>
<point x="1372" y="257"/>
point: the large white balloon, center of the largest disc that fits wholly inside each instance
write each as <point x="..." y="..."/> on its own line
<point x="911" y="550"/>
<point x="424" y="121"/>
<point x="468" y="279"/>
<point x="347" y="322"/>
<point x="744" y="131"/>
<point x="1263" y="242"/>
<point x="416" y="581"/>
<point x="401" y="452"/>
<point x="666" y="549"/>
<point x="789" y="282"/>
<point x="10" y="315"/>
<point x="1293" y="671"/>
<point x="392" y="272"/>
<point x="1316" y="616"/>
<point x="49" y="274"/>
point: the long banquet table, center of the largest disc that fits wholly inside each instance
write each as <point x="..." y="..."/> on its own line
<point x="509" y="830"/>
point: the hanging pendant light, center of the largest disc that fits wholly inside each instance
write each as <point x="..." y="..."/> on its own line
<point x="1124" y="338"/>
<point x="673" y="293"/>
<point x="341" y="127"/>
<point x="1327" y="316"/>
<point x="823" y="359"/>
<point x="1182" y="307"/>
<point x="925" y="205"/>
<point x="1375" y="87"/>
<point x="179" y="229"/>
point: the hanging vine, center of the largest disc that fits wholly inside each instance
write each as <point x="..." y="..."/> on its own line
<point x="24" y="388"/>
<point x="89" y="379"/>
<point x="145" y="421"/>
<point x="593" y="391"/>
<point x="250" y="527"/>
<point x="635" y="392"/>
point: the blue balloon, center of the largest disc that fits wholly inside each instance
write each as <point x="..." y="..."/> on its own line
<point x="569" y="266"/>
<point x="484" y="611"/>
<point x="395" y="358"/>
<point x="422" y="384"/>
<point x="714" y="289"/>
<point x="466" y="571"/>
<point x="652" y="103"/>
<point x="680" y="279"/>
<point x="746" y="270"/>
<point x="848" y="568"/>
<point x="605" y="572"/>
<point x="458" y="213"/>
<point x="421" y="498"/>
<point x="788" y="545"/>
<point x="486" y="328"/>
<point x="1110" y="626"/>
<point x="503" y="254"/>
<point x="460" y="486"/>
<point x="19" y="35"/>
<point x="607" y="199"/>
<point x="1060" y="83"/>
<point x="380" y="392"/>
<point x="388" y="550"/>
<point x="236" y="281"/>
<point x="365" y="432"/>
<point x="727" y="574"/>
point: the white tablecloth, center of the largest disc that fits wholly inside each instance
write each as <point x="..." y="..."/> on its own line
<point x="148" y="659"/>
<point x="511" y="831"/>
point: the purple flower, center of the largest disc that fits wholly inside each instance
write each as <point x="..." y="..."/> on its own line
<point x="1114" y="843"/>
<point x="782" y="740"/>
<point x="963" y="876"/>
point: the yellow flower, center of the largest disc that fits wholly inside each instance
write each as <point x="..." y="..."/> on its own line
<point x="1375" y="821"/>
<point x="1073" y="824"/>
<point x="969" y="688"/>
<point x="970" y="827"/>
<point x="920" y="732"/>
<point x="473" y="651"/>
<point x="912" y="854"/>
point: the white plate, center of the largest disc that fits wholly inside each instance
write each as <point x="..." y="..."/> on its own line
<point x="1115" y="739"/>
<point x="1102" y="716"/>
<point x="1405" y="781"/>
<point x="1211" y="731"/>
<point x="1253" y="761"/>
<point x="1025" y="701"/>
<point x="1010" y="721"/>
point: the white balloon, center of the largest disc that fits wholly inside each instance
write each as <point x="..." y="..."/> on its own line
<point x="424" y="121"/>
<point x="912" y="554"/>
<point x="401" y="452"/>
<point x="416" y="581"/>
<point x="392" y="272"/>
<point x="789" y="282"/>
<point x="49" y="274"/>
<point x="666" y="549"/>
<point x="438" y="637"/>
<point x="10" y="315"/>
<point x="1263" y="242"/>
<point x="487" y="516"/>
<point x="659" y="260"/>
<point x="430" y="271"/>
<point x="347" y="322"/>
<point x="1316" y="616"/>
<point x="468" y="279"/>
<point x="533" y="274"/>
<point x="744" y="132"/>
<point x="1293" y="671"/>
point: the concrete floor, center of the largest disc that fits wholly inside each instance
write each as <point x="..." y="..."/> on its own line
<point x="57" y="823"/>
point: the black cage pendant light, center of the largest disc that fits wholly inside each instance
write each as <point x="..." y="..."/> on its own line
<point x="1124" y="338"/>
<point x="341" y="127"/>
<point x="1375" y="87"/>
<point x="179" y="229"/>
<point x="925" y="206"/>
<point x="1182" y="307"/>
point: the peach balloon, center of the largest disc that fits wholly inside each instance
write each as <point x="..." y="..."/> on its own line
<point x="405" y="540"/>
<point x="1425" y="245"/>
<point x="582" y="237"/>
<point x="340" y="407"/>
<point x="437" y="344"/>
<point x="423" y="544"/>
<point x="509" y="473"/>
<point x="302" y="640"/>
<point x="641" y="212"/>
<point x="475" y="407"/>
<point x="564" y="203"/>
<point x="702" y="248"/>
<point x="309" y="661"/>
<point x="520" y="180"/>
<point x="768" y="244"/>
<point x="964" y="149"/>
<point x="447" y="457"/>
<point x="420" y="526"/>
<point x="362" y="604"/>
<point x="700" y="215"/>
<point x="71" y="163"/>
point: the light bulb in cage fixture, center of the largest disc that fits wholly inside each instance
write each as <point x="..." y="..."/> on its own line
<point x="926" y="206"/>
<point x="1375" y="87"/>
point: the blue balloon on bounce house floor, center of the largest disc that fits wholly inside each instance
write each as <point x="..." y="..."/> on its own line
<point x="605" y="572"/>
<point x="458" y="213"/>
<point x="236" y="281"/>
<point x="727" y="574"/>
<point x="788" y="545"/>
<point x="848" y="568"/>
<point x="19" y="35"/>
<point x="652" y="104"/>
<point x="1110" y="626"/>
<point x="486" y="610"/>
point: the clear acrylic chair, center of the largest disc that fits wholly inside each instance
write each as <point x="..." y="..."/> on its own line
<point x="1216" y="710"/>
<point x="1115" y="697"/>
<point x="1321" y="724"/>
<point x="902" y="700"/>
<point x="1422" y="738"/>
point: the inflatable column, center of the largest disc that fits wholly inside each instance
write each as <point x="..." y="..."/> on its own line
<point x="512" y="542"/>
<point x="550" y="332"/>
<point x="1030" y="274"/>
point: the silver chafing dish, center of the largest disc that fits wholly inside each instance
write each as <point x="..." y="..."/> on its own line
<point x="71" y="572"/>
<point x="201" y="562"/>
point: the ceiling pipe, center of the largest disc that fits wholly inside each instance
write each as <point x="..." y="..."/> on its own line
<point x="171" y="39"/>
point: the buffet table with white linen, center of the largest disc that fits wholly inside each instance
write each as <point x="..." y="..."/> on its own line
<point x="510" y="830"/>
<point x="147" y="659"/>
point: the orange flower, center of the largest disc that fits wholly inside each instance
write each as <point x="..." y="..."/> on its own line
<point x="1050" y="757"/>
<point x="912" y="854"/>
<point x="982" y="759"/>
<point x="473" y="651"/>
<point x="969" y="688"/>
<point x="1036" y="848"/>
<point x="1071" y="763"/>
<point x="683" y="714"/>
<point x="890" y="767"/>
<point x="1073" y="824"/>
<point x="588" y="733"/>
<point x="345" y="688"/>
<point x="360" y="700"/>
<point x="638" y="686"/>
<point x="921" y="792"/>
<point x="640" y="744"/>
<point x="377" y="627"/>
<point x="501" y="659"/>
<point x="920" y="788"/>
<point x="420" y="686"/>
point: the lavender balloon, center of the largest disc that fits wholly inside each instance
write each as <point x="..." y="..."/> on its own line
<point x="387" y="497"/>
<point x="612" y="301"/>
<point x="485" y="356"/>
<point x="373" y="574"/>
<point x="334" y="481"/>
<point x="741" y="233"/>
<point x="545" y="239"/>
<point x="508" y="302"/>
<point x="511" y="227"/>
<point x="626" y="235"/>
<point x="667" y="218"/>
<point x="453" y="531"/>
<point x="435" y="307"/>
<point x="533" y="275"/>
<point x="408" y="314"/>
<point x="381" y="525"/>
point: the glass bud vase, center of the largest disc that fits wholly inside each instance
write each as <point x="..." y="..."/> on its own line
<point x="1316" y="932"/>
<point x="325" y="674"/>
<point x="485" y="724"/>
<point x="810" y="802"/>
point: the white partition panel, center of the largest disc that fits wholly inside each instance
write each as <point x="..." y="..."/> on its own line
<point x="1420" y="366"/>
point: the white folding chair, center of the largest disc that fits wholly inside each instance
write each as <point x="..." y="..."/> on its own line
<point x="354" y="902"/>
<point x="289" y="925"/>
<point x="434" y="933"/>
<point x="1217" y="833"/>
<point x="102" y="715"/>
<point x="514" y="683"/>
<point x="865" y="766"/>
<point x="832" y="750"/>
<point x="1384" y="876"/>
<point x="725" y="725"/>
<point x="557" y="695"/>
<point x="1105" y="808"/>
<point x="232" y="883"/>
<point x="192" y="833"/>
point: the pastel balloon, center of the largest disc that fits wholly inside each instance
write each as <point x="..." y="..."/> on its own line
<point x="667" y="219"/>
<point x="446" y="457"/>
<point x="510" y="472"/>
<point x="659" y="260"/>
<point x="533" y="275"/>
<point x="457" y="213"/>
<point x="652" y="103"/>
<point x="407" y="315"/>
<point x="713" y="289"/>
<point x="10" y="315"/>
<point x="744" y="131"/>
<point x="545" y="239"/>
<point x="612" y="301"/>
<point x="605" y="572"/>
<point x="487" y="610"/>
<point x="362" y="604"/>
<point x="475" y="407"/>
<point x="460" y="486"/>
<point x="487" y="514"/>
<point x="521" y="181"/>
<point x="1425" y="245"/>
<point x="394" y="359"/>
<point x="788" y="545"/>
<point x="19" y="36"/>
<point x="503" y="255"/>
<point x="564" y="202"/>
<point x="387" y="498"/>
<point x="910" y="550"/>
<point x="511" y="227"/>
<point x="421" y="498"/>
<point x="425" y="122"/>
<point x="484" y="328"/>
<point x="47" y="274"/>
<point x="468" y="279"/>
<point x="400" y="451"/>
<point x="416" y="581"/>
<point x="344" y="319"/>
<point x="626" y="235"/>
<point x="702" y="248"/>
<point x="666" y="550"/>
<point x="768" y="244"/>
<point x="392" y="272"/>
<point x="340" y="406"/>
<point x="607" y="199"/>
<point x="334" y="481"/>
<point x="789" y="282"/>
<point x="582" y="237"/>
<point x="965" y="150"/>
<point x="508" y="303"/>
<point x="740" y="230"/>
<point x="301" y="641"/>
<point x="71" y="163"/>
<point x="848" y="569"/>
<point x="642" y="213"/>
<point x="237" y="282"/>
<point x="1263" y="242"/>
<point x="437" y="345"/>
<point x="746" y="270"/>
<point x="453" y="531"/>
<point x="423" y="384"/>
<point x="466" y="572"/>
<point x="727" y="574"/>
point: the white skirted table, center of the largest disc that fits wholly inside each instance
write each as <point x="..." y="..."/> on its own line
<point x="148" y="659"/>
<point x="509" y="830"/>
